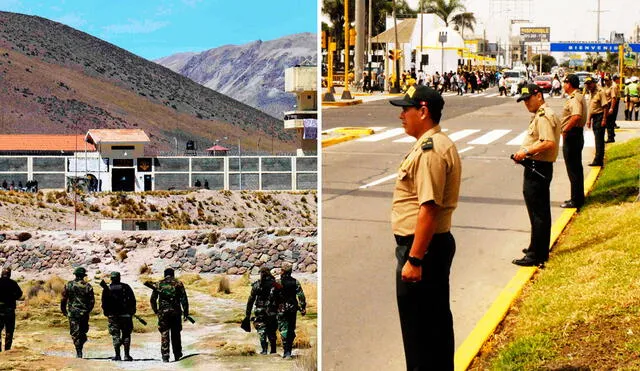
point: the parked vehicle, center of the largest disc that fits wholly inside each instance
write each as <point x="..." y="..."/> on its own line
<point x="515" y="77"/>
<point x="582" y="75"/>
<point x="544" y="82"/>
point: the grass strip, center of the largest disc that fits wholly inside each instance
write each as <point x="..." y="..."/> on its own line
<point x="582" y="310"/>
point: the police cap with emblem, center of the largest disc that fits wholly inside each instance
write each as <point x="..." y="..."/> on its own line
<point x="573" y="80"/>
<point x="527" y="91"/>
<point x="419" y="96"/>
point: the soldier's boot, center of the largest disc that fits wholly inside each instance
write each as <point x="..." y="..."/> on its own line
<point x="117" y="356"/>
<point x="127" y="356"/>
<point x="626" y="115"/>
<point x="263" y="344"/>
<point x="78" y="351"/>
<point x="273" y="347"/>
<point x="636" y="115"/>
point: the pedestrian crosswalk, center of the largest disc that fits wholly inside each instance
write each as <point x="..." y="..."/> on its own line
<point x="491" y="94"/>
<point x="476" y="137"/>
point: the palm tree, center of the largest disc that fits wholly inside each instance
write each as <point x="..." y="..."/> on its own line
<point x="444" y="9"/>
<point x="464" y="20"/>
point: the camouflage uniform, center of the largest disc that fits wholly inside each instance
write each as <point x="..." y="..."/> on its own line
<point x="265" y="312"/>
<point x="9" y="293"/>
<point x="77" y="302"/>
<point x="169" y="301"/>
<point x="289" y="298"/>
<point x="119" y="305"/>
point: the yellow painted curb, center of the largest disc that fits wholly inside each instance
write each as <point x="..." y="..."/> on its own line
<point x="354" y="131"/>
<point x="342" y="103"/>
<point x="332" y="141"/>
<point x="486" y="326"/>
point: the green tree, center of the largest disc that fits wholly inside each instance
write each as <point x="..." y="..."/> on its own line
<point x="464" y="20"/>
<point x="547" y="62"/>
<point x="444" y="9"/>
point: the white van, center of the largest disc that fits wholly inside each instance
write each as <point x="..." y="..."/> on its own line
<point x="514" y="77"/>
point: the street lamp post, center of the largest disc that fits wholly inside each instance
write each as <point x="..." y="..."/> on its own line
<point x="346" y="94"/>
<point x="442" y="37"/>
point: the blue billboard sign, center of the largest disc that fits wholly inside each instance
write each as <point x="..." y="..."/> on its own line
<point x="582" y="47"/>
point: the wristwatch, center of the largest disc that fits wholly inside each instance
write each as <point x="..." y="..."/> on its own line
<point x="414" y="261"/>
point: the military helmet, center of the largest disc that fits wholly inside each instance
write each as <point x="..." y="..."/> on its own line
<point x="80" y="271"/>
<point x="286" y="267"/>
<point x="115" y="275"/>
<point x="6" y="272"/>
<point x="169" y="272"/>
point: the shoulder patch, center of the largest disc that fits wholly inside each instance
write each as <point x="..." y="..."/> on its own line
<point x="427" y="144"/>
<point x="541" y="112"/>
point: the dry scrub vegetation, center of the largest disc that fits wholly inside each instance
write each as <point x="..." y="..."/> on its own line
<point x="54" y="210"/>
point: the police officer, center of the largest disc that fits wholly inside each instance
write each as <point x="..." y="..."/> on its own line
<point x="9" y="293"/>
<point x="169" y="301"/>
<point x="538" y="152"/>
<point x="597" y="118"/>
<point x="614" y="103"/>
<point x="265" y="312"/>
<point x="290" y="298"/>
<point x="574" y="116"/>
<point x="633" y="98"/>
<point x="77" y="303"/>
<point x="119" y="305"/>
<point x="425" y="196"/>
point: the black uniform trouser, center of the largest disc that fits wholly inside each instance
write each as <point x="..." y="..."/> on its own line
<point x="8" y="324"/>
<point x="598" y="133"/>
<point x="538" y="200"/>
<point x="572" y="152"/>
<point x="425" y="313"/>
<point x="170" y="324"/>
<point x="611" y="123"/>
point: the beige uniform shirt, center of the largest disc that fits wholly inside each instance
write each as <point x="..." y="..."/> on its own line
<point x="544" y="125"/>
<point x="427" y="175"/>
<point x="615" y="93"/>
<point x="574" y="105"/>
<point x="597" y="102"/>
<point x="607" y="93"/>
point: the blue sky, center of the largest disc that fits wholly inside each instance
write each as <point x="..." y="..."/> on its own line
<point x="157" y="28"/>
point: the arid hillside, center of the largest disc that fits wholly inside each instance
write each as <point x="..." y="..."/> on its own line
<point x="56" y="79"/>
<point x="200" y="209"/>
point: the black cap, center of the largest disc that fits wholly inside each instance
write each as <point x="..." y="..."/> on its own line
<point x="169" y="272"/>
<point x="528" y="90"/>
<point x="573" y="80"/>
<point x="418" y="96"/>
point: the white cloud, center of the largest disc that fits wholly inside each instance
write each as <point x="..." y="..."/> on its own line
<point x="72" y="20"/>
<point x="135" y="26"/>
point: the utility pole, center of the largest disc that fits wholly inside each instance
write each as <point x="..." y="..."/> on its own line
<point x="346" y="94"/>
<point x="598" y="21"/>
<point x="358" y="57"/>
<point x="396" y="84"/>
<point x="369" y="56"/>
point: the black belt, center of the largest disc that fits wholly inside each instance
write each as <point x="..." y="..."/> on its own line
<point x="530" y="162"/>
<point x="408" y="240"/>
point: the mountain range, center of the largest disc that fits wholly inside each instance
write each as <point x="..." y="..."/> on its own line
<point x="252" y="73"/>
<point x="56" y="79"/>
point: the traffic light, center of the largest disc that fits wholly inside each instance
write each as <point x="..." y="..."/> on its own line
<point x="395" y="54"/>
<point x="352" y="36"/>
<point x="324" y="40"/>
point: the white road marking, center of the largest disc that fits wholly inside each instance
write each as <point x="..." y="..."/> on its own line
<point x="462" y="133"/>
<point x="491" y="136"/>
<point x="409" y="139"/>
<point x="517" y="141"/>
<point x="491" y="95"/>
<point x="477" y="95"/>
<point x="466" y="149"/>
<point x="382" y="136"/>
<point x="379" y="181"/>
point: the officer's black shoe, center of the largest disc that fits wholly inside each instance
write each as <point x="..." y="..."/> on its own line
<point x="128" y="358"/>
<point x="264" y="351"/>
<point x="569" y="205"/>
<point x="616" y="126"/>
<point x="596" y="164"/>
<point x="527" y="262"/>
<point x="178" y="357"/>
<point x="78" y="354"/>
<point x="116" y="358"/>
<point x="165" y="359"/>
<point x="610" y="141"/>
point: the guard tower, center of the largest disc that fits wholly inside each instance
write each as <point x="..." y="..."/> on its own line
<point x="302" y="81"/>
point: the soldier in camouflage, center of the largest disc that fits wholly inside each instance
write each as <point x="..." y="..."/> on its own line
<point x="77" y="302"/>
<point x="265" y="312"/>
<point x="9" y="293"/>
<point x="289" y="298"/>
<point x="119" y="305"/>
<point x="169" y="301"/>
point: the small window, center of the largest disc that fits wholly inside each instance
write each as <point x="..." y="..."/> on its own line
<point x="123" y="162"/>
<point x="122" y="148"/>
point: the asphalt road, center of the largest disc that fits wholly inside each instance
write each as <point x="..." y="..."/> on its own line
<point x="360" y="325"/>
